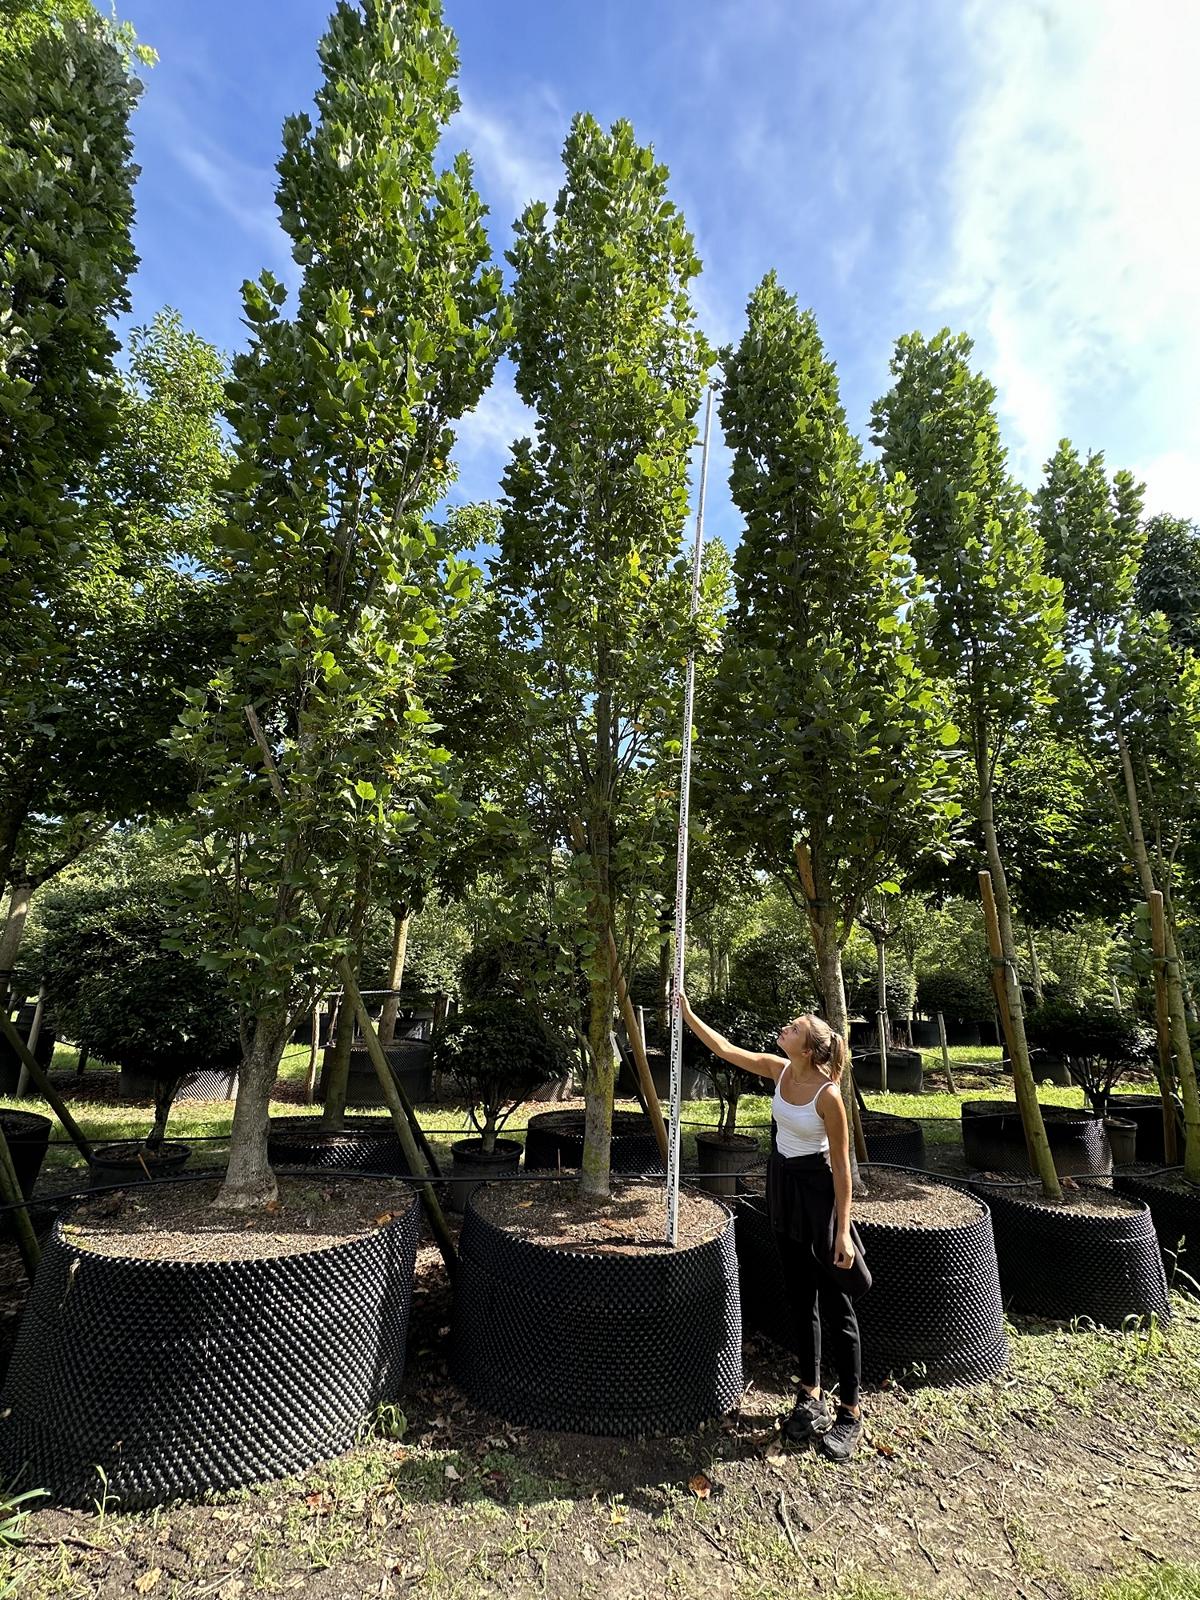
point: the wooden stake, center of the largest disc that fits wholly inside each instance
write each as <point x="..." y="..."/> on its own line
<point x="1008" y="1001"/>
<point x="314" y="1050"/>
<point x="46" y="1089"/>
<point x="10" y="1194"/>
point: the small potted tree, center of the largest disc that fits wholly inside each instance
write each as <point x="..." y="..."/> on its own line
<point x="156" y="1013"/>
<point x="1098" y="1044"/>
<point x="498" y="1051"/>
<point x="725" y="1154"/>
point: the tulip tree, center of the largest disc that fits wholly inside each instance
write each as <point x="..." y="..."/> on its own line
<point x="339" y="585"/>
<point x="997" y="611"/>
<point x="610" y="359"/>
<point x="66" y="256"/>
<point x="1132" y="695"/>
<point x="828" y="755"/>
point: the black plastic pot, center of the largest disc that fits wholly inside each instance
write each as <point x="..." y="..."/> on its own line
<point x="693" y="1084"/>
<point x="28" y="1137"/>
<point x="895" y="1141"/>
<point x="1122" y="1140"/>
<point x="903" y="1071"/>
<point x="933" y="1313"/>
<point x="131" y="1162"/>
<point x="177" y="1378"/>
<point x="994" y="1139"/>
<point x="472" y="1165"/>
<point x="959" y="1032"/>
<point x="1175" y="1213"/>
<point x="1046" y="1069"/>
<point x="217" y="1083"/>
<point x="10" y="1062"/>
<point x="554" y="1139"/>
<point x="135" y="1085"/>
<point x="1145" y="1110"/>
<point x="925" y="1035"/>
<point x="1061" y="1263"/>
<point x="411" y="1060"/>
<point x="722" y="1158"/>
<point x="597" y="1343"/>
<point x="367" y="1144"/>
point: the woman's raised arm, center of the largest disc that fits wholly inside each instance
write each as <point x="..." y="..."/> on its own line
<point x="759" y="1062"/>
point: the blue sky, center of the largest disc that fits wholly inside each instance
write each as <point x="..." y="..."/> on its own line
<point x="1021" y="169"/>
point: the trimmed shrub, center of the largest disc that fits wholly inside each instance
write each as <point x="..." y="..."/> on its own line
<point x="1098" y="1044"/>
<point x="741" y="1026"/>
<point x="965" y="996"/>
<point x="118" y="990"/>
<point x="498" y="1051"/>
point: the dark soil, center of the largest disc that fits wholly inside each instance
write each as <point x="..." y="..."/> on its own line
<point x="178" y="1223"/>
<point x="1170" y="1178"/>
<point x="906" y="1201"/>
<point x="632" y="1222"/>
<point x="1087" y="1198"/>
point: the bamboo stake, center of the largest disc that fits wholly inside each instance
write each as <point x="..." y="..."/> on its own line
<point x="637" y="1041"/>
<point x="1008" y="1000"/>
<point x="1169" y="968"/>
<point x="46" y="1089"/>
<point x="10" y="1194"/>
<point x="403" y="1116"/>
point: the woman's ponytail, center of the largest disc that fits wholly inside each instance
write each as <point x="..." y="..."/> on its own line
<point x="838" y="1056"/>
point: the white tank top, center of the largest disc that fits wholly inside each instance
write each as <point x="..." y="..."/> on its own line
<point x="799" y="1130"/>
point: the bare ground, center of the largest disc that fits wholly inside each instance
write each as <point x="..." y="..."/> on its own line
<point x="1084" y="1464"/>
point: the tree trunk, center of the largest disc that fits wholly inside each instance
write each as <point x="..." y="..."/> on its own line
<point x="594" y="1174"/>
<point x="662" y="1011"/>
<point x="1176" y="1007"/>
<point x="12" y="819"/>
<point x="1035" y="970"/>
<point x="249" y="1181"/>
<point x="1009" y="993"/>
<point x="395" y="975"/>
<point x="337" y="1079"/>
<point x="19" y="900"/>
<point x="881" y="1005"/>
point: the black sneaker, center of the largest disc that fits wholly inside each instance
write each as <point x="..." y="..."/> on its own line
<point x="809" y="1415"/>
<point x="841" y="1440"/>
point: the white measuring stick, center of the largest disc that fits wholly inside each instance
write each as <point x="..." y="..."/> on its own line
<point x="685" y="783"/>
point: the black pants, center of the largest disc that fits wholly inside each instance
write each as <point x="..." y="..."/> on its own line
<point x="810" y="1293"/>
<point x="803" y="1211"/>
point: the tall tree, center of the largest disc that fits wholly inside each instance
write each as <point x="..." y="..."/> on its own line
<point x="610" y="359"/>
<point x="1168" y="577"/>
<point x="831" y="734"/>
<point x="66" y="209"/>
<point x="339" y="585"/>
<point x="1132" y="694"/>
<point x="997" y="613"/>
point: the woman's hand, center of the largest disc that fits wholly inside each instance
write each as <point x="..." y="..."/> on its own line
<point x="843" y="1250"/>
<point x="685" y="1008"/>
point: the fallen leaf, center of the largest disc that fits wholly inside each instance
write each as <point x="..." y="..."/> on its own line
<point x="384" y="1217"/>
<point x="776" y="1460"/>
<point x="617" y="1514"/>
<point x="883" y="1448"/>
<point x="146" y="1582"/>
<point x="453" y="1475"/>
<point x="700" y="1485"/>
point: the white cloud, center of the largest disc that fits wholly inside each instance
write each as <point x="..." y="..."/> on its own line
<point x="499" y="418"/>
<point x="1172" y="482"/>
<point x="1076" y="234"/>
<point x="514" y="162"/>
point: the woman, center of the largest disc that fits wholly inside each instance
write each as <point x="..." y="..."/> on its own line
<point x="808" y="1200"/>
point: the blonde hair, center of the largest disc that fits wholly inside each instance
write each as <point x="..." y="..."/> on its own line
<point x="827" y="1048"/>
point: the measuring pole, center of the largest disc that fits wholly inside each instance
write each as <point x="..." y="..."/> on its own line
<point x="685" y="783"/>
